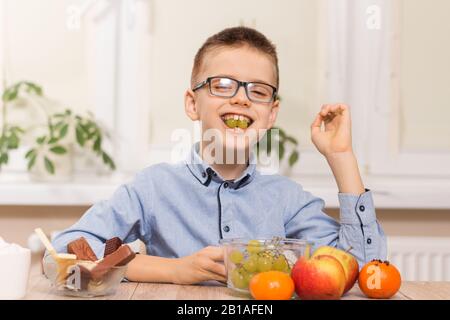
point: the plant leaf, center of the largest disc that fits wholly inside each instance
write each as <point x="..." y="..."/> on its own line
<point x="49" y="165"/>
<point x="40" y="140"/>
<point x="281" y="150"/>
<point x="85" y="128"/>
<point x="3" y="139"/>
<point x="80" y="136"/>
<point x="292" y="139"/>
<point x="293" y="158"/>
<point x="269" y="141"/>
<point x="58" y="150"/>
<point x="97" y="144"/>
<point x="10" y="95"/>
<point x="32" y="87"/>
<point x="16" y="129"/>
<point x="30" y="153"/>
<point x="53" y="140"/>
<point x="63" y="131"/>
<point x="281" y="133"/>
<point x="4" y="158"/>
<point x="13" y="141"/>
<point x="58" y="125"/>
<point x="32" y="161"/>
<point x="107" y="160"/>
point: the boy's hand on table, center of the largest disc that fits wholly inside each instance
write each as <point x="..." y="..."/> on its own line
<point x="334" y="141"/>
<point x="204" y="265"/>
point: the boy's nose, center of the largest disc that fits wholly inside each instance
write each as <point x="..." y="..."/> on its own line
<point x="241" y="98"/>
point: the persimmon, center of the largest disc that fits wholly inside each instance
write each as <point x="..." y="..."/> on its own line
<point x="379" y="279"/>
<point x="272" y="285"/>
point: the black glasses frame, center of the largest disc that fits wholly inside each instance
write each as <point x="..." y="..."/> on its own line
<point x="240" y="84"/>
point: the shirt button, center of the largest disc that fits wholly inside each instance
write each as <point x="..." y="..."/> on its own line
<point x="225" y="185"/>
<point x="203" y="174"/>
<point x="369" y="241"/>
<point x="226" y="228"/>
<point x="362" y="208"/>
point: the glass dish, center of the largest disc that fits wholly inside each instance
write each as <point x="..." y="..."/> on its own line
<point x="71" y="279"/>
<point x="245" y="258"/>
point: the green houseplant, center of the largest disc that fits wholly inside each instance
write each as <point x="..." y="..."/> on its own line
<point x="62" y="129"/>
<point x="285" y="143"/>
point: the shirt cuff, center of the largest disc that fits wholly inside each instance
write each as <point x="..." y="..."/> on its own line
<point x="357" y="209"/>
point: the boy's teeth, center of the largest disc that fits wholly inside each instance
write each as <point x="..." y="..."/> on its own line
<point x="236" y="117"/>
<point x="236" y="121"/>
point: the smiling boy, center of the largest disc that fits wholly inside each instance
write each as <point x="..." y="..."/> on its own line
<point x="181" y="211"/>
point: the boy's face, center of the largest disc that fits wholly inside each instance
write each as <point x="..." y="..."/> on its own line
<point x="243" y="64"/>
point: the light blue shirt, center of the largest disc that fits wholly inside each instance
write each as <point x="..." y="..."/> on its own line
<point x="178" y="209"/>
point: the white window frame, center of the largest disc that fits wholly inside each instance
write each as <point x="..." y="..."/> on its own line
<point x="386" y="156"/>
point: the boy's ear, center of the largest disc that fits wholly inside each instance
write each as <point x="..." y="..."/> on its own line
<point x="189" y="105"/>
<point x="273" y="113"/>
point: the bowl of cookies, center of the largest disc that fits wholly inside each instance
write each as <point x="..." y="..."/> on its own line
<point x="80" y="273"/>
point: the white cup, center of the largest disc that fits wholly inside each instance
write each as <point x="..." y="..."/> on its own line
<point x="14" y="272"/>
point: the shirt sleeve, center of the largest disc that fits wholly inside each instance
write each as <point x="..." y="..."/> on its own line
<point x="123" y="216"/>
<point x="358" y="228"/>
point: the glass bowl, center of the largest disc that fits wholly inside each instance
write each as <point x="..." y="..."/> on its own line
<point x="71" y="279"/>
<point x="245" y="258"/>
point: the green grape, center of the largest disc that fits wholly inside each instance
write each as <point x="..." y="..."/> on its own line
<point x="236" y="256"/>
<point x="280" y="264"/>
<point x="264" y="263"/>
<point x="253" y="246"/>
<point x="238" y="279"/>
<point x="248" y="277"/>
<point x="251" y="263"/>
<point x="231" y="123"/>
<point x="243" y="124"/>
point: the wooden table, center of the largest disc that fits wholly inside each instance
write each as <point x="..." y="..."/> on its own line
<point x="39" y="288"/>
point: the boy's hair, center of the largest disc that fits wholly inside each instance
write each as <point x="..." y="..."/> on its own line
<point x="235" y="37"/>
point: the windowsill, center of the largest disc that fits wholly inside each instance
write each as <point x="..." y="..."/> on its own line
<point x="388" y="192"/>
<point x="84" y="189"/>
<point x="81" y="190"/>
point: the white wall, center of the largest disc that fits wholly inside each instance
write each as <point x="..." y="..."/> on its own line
<point x="424" y="73"/>
<point x="40" y="48"/>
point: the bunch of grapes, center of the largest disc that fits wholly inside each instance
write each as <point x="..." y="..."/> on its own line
<point x="256" y="258"/>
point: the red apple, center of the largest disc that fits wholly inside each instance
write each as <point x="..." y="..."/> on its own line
<point x="319" y="278"/>
<point x="348" y="261"/>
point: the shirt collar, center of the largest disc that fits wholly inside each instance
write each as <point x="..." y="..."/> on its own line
<point x="204" y="173"/>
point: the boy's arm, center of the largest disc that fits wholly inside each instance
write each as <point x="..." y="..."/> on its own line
<point x="346" y="172"/>
<point x="358" y="227"/>
<point x="121" y="216"/>
<point x="127" y="215"/>
<point x="204" y="265"/>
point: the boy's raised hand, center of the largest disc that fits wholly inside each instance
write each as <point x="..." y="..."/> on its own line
<point x="334" y="141"/>
<point x="336" y="136"/>
<point x="204" y="265"/>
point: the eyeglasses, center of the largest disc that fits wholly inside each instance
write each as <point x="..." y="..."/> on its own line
<point x="228" y="87"/>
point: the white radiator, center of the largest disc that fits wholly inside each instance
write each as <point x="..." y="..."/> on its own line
<point x="421" y="258"/>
